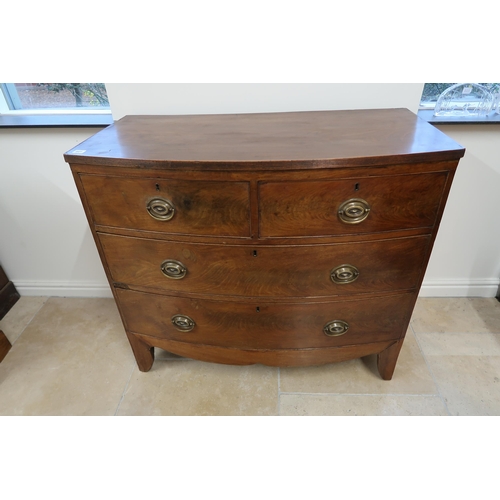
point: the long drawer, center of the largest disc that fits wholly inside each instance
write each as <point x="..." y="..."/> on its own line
<point x="265" y="325"/>
<point x="169" y="205"/>
<point x="349" y="206"/>
<point x="288" y="271"/>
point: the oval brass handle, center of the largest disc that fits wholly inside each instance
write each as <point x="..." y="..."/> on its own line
<point x="173" y="269"/>
<point x="183" y="323"/>
<point x="344" y="274"/>
<point x="354" y="211"/>
<point x="335" y="328"/>
<point x="160" y="209"/>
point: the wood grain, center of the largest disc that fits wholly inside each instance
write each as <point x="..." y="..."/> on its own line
<point x="281" y="271"/>
<point x="275" y="357"/>
<point x="310" y="208"/>
<point x="267" y="325"/>
<point x="144" y="353"/>
<point x="201" y="207"/>
<point x="387" y="359"/>
<point x="268" y="140"/>
<point x="256" y="225"/>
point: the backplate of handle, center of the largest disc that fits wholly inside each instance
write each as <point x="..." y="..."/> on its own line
<point x="160" y="209"/>
<point x="346" y="273"/>
<point x="335" y="328"/>
<point x="183" y="323"/>
<point x="173" y="269"/>
<point x="354" y="211"/>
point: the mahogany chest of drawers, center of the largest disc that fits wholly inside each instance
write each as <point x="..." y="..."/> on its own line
<point x="287" y="239"/>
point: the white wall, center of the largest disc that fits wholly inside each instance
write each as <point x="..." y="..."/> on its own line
<point x="466" y="255"/>
<point x="192" y="98"/>
<point x="46" y="247"/>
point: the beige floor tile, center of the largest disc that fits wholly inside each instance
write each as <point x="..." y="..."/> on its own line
<point x="186" y="387"/>
<point x="456" y="315"/>
<point x="489" y="312"/>
<point x="470" y="385"/>
<point x="343" y="405"/>
<point x="72" y="359"/>
<point x="360" y="376"/>
<point x="161" y="355"/>
<point x="460" y="344"/>
<point x="18" y="318"/>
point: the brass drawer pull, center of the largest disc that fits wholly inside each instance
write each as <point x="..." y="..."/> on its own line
<point x="335" y="328"/>
<point x="160" y="209"/>
<point x="173" y="269"/>
<point x="183" y="323"/>
<point x="344" y="274"/>
<point x="354" y="211"/>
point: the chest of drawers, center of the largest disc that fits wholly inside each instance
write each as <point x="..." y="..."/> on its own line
<point x="287" y="239"/>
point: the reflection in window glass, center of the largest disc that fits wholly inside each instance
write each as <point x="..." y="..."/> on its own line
<point x="432" y="91"/>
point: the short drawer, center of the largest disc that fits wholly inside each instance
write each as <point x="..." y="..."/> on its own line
<point x="169" y="206"/>
<point x="265" y="325"/>
<point x="284" y="271"/>
<point x="349" y="206"/>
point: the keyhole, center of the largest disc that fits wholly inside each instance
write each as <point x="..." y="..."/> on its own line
<point x="255" y="253"/>
<point x="157" y="187"/>
<point x="257" y="309"/>
<point x="356" y="186"/>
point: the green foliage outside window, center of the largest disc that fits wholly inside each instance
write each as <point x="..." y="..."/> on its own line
<point x="96" y="92"/>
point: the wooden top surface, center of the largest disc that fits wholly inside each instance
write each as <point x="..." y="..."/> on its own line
<point x="314" y="139"/>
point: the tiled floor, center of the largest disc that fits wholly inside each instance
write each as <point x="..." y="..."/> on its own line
<point x="70" y="357"/>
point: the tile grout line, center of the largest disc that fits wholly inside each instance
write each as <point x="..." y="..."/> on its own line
<point x="430" y="370"/>
<point x="359" y="394"/>
<point x="124" y="390"/>
<point x="31" y="320"/>
<point x="279" y="391"/>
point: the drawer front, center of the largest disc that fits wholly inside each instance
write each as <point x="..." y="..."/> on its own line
<point x="195" y="207"/>
<point x="267" y="325"/>
<point x="311" y="208"/>
<point x="289" y="271"/>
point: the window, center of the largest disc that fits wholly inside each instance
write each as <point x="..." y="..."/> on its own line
<point x="460" y="102"/>
<point x="54" y="104"/>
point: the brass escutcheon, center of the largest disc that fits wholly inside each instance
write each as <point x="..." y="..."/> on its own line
<point x="344" y="274"/>
<point x="183" y="323"/>
<point x="160" y="209"/>
<point x="354" y="211"/>
<point x="335" y="328"/>
<point x="173" y="269"/>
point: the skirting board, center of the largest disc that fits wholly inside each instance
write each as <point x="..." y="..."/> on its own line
<point x="62" y="289"/>
<point x="487" y="287"/>
<point x="430" y="288"/>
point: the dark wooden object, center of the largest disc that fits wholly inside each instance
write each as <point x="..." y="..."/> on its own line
<point x="258" y="234"/>
<point x="8" y="297"/>
<point x="5" y="346"/>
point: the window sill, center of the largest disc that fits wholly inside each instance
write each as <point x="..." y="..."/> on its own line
<point x="55" y="120"/>
<point x="428" y="115"/>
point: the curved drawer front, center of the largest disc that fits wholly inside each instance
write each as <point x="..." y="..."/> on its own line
<point x="169" y="205"/>
<point x="267" y="325"/>
<point x="289" y="271"/>
<point x="349" y="206"/>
